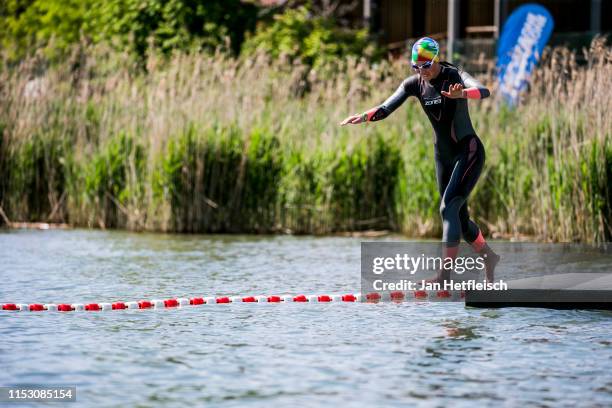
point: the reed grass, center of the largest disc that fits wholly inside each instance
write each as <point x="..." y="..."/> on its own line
<point x="210" y="143"/>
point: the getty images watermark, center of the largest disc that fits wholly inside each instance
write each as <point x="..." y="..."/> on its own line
<point x="437" y="264"/>
<point x="405" y="270"/>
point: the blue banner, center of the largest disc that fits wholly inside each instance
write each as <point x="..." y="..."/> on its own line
<point x="520" y="46"/>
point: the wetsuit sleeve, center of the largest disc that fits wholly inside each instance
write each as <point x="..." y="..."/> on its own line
<point x="473" y="88"/>
<point x="409" y="87"/>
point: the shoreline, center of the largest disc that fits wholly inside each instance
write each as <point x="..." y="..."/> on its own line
<point x="43" y="226"/>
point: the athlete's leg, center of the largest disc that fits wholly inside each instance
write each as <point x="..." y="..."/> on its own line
<point x="444" y="169"/>
<point x="465" y="174"/>
<point x="453" y="207"/>
<point x="473" y="236"/>
<point x="469" y="230"/>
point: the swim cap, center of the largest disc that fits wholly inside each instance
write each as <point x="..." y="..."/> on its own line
<point x="424" y="50"/>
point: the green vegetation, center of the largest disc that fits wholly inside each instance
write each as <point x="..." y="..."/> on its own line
<point x="132" y="25"/>
<point x="142" y="26"/>
<point x="59" y="24"/>
<point x="206" y="142"/>
<point x="316" y="40"/>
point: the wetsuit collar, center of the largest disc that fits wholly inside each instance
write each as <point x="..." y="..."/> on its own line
<point x="442" y="72"/>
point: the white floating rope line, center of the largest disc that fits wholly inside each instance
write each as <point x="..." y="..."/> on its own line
<point x="373" y="297"/>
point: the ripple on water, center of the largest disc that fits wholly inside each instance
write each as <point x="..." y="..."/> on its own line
<point x="246" y="355"/>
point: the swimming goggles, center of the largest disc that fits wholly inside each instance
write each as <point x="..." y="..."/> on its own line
<point x="425" y="65"/>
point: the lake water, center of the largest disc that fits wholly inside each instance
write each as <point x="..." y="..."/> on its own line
<point x="242" y="355"/>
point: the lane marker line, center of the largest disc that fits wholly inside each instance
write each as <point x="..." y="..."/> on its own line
<point x="374" y="297"/>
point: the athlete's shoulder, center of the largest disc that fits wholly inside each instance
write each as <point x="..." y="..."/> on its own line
<point x="448" y="67"/>
<point x="412" y="84"/>
<point x="450" y="71"/>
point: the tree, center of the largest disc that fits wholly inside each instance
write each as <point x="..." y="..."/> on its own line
<point x="176" y="24"/>
<point x="130" y="24"/>
<point x="29" y="24"/>
<point x="299" y="33"/>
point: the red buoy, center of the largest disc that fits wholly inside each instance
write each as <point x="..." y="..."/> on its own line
<point x="9" y="306"/>
<point x="223" y="300"/>
<point x="170" y="303"/>
<point x="92" y="307"/>
<point x="374" y="297"/>
<point x="300" y="298"/>
<point x="443" y="294"/>
<point x="349" y="298"/>
<point x="119" y="306"/>
<point x="274" y="299"/>
<point x="196" y="301"/>
<point x="36" y="307"/>
<point x="420" y="294"/>
<point x="397" y="295"/>
<point x="249" y="299"/>
<point x="64" y="307"/>
<point x="145" y="304"/>
<point x="324" y="298"/>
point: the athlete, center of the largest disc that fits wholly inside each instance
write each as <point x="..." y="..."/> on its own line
<point x="443" y="90"/>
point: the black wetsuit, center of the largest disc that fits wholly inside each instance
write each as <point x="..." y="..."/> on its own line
<point x="459" y="154"/>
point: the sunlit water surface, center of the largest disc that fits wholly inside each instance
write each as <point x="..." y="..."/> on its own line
<point x="336" y="354"/>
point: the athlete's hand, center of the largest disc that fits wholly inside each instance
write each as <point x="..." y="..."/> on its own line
<point x="455" y="91"/>
<point x="353" y="120"/>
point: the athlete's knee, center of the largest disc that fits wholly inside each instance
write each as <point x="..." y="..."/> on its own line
<point x="451" y="226"/>
<point x="450" y="208"/>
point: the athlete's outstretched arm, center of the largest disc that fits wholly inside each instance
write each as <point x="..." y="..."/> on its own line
<point x="471" y="89"/>
<point x="393" y="102"/>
